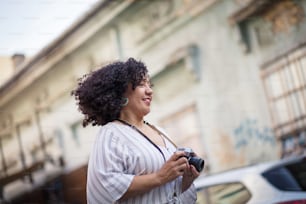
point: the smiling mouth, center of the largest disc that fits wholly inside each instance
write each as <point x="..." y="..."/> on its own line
<point x="147" y="100"/>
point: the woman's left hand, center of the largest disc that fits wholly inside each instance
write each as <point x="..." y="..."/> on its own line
<point x="189" y="176"/>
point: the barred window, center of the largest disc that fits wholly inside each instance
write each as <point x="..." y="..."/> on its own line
<point x="285" y="84"/>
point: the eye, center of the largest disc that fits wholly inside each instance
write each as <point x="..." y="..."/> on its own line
<point x="151" y="85"/>
<point x="142" y="84"/>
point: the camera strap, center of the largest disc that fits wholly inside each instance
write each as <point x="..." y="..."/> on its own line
<point x="161" y="133"/>
<point x="153" y="127"/>
<point x="174" y="198"/>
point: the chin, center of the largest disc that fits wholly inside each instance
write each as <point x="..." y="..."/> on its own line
<point x="146" y="112"/>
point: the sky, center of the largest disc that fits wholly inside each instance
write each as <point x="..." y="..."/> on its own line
<point x="27" y="26"/>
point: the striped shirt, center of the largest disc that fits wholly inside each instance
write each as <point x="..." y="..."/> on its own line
<point x="118" y="154"/>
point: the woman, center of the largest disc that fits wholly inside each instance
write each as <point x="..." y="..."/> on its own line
<point x="131" y="161"/>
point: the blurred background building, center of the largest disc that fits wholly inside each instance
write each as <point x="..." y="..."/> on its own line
<point x="229" y="75"/>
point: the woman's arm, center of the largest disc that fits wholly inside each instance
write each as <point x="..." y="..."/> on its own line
<point x="173" y="168"/>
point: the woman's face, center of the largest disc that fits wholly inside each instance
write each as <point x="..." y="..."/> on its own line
<point x="140" y="98"/>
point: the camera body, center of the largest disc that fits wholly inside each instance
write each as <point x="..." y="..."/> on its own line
<point x="197" y="162"/>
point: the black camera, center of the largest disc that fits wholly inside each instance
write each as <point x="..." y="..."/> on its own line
<point x="197" y="162"/>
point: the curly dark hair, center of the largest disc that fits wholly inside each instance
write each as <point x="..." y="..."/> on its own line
<point x="99" y="94"/>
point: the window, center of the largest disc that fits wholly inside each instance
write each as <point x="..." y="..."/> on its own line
<point x="81" y="143"/>
<point x="289" y="178"/>
<point x="285" y="84"/>
<point x="230" y="193"/>
<point x="75" y="128"/>
<point x="179" y="74"/>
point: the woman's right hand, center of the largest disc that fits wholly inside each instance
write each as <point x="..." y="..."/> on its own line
<point x="173" y="168"/>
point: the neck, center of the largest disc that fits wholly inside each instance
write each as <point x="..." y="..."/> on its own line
<point x="132" y="120"/>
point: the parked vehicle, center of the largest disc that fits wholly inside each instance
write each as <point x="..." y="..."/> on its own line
<point x="278" y="182"/>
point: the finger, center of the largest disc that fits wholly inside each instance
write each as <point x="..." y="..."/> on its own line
<point x="181" y="173"/>
<point x="177" y="155"/>
<point x="183" y="167"/>
<point x="182" y="160"/>
<point x="194" y="171"/>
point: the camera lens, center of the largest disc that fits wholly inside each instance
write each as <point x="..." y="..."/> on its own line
<point x="197" y="162"/>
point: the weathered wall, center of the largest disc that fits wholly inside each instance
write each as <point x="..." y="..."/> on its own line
<point x="208" y="90"/>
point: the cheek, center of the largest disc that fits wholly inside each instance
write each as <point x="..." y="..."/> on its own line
<point x="135" y="101"/>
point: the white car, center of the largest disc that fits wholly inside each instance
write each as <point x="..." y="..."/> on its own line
<point x="279" y="182"/>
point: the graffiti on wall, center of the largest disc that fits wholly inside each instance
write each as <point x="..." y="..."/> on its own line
<point x="249" y="130"/>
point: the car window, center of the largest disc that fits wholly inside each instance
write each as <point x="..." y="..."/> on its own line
<point x="230" y="193"/>
<point x="289" y="178"/>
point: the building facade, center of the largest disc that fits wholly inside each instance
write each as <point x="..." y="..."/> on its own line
<point x="229" y="75"/>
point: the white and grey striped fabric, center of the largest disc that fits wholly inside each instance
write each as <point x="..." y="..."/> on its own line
<point x="118" y="154"/>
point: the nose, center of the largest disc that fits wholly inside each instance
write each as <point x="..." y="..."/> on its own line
<point x="149" y="90"/>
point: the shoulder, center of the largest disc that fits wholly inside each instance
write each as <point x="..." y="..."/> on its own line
<point x="111" y="127"/>
<point x="115" y="133"/>
<point x="108" y="131"/>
